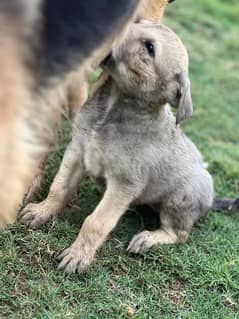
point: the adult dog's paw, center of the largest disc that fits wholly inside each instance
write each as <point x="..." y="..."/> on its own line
<point x="75" y="259"/>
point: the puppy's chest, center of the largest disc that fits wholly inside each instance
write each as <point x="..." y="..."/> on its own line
<point x="93" y="157"/>
<point x="98" y="137"/>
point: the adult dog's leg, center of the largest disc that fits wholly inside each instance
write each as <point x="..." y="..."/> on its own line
<point x="152" y="10"/>
<point x="15" y="81"/>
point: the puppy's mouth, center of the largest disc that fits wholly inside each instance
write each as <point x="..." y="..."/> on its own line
<point x="108" y="63"/>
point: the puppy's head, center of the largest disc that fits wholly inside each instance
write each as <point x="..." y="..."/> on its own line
<point x="152" y="64"/>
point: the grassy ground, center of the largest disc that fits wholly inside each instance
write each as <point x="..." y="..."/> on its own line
<point x="197" y="280"/>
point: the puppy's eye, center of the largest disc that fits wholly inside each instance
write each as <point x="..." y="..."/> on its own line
<point x="150" y="48"/>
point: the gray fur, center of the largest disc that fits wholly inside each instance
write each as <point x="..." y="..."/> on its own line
<point x="127" y="134"/>
<point x="135" y="131"/>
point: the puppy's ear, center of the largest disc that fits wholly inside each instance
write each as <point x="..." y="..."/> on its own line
<point x="184" y="100"/>
<point x="178" y="95"/>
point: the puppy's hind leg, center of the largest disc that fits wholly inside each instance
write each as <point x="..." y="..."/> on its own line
<point x="178" y="213"/>
<point x="172" y="231"/>
<point x="63" y="187"/>
<point x="147" y="239"/>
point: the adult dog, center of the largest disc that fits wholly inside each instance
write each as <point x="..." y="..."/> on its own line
<point x="42" y="44"/>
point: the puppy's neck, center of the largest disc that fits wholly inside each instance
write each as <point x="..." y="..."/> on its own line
<point x="119" y="106"/>
<point x="142" y="103"/>
<point x="125" y="113"/>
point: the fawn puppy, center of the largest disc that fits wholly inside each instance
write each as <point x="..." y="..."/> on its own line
<point x="127" y="134"/>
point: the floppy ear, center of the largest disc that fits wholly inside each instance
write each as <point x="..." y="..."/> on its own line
<point x="184" y="101"/>
<point x="178" y="95"/>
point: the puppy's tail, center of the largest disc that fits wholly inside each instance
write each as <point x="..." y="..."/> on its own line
<point x="226" y="205"/>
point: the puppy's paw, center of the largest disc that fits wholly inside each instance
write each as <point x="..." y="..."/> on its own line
<point x="36" y="215"/>
<point x="75" y="259"/>
<point x="141" y="242"/>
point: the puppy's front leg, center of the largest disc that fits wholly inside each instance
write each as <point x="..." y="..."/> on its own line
<point x="97" y="227"/>
<point x="62" y="188"/>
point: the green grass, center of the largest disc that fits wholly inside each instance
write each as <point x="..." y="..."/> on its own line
<point x="196" y="280"/>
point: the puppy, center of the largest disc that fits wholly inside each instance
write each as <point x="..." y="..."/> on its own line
<point x="76" y="92"/>
<point x="128" y="135"/>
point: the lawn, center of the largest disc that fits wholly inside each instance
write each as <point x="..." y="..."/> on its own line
<point x="197" y="280"/>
